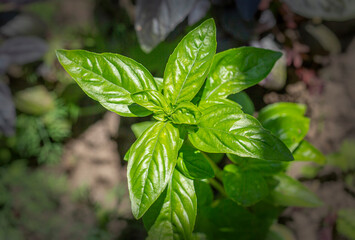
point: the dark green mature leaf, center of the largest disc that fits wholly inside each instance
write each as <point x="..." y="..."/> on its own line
<point x="193" y="164"/>
<point x="186" y="113"/>
<point x="204" y="193"/>
<point x="108" y="78"/>
<point x="152" y="100"/>
<point x="244" y="100"/>
<point x="244" y="187"/>
<point x="151" y="163"/>
<point x="307" y="152"/>
<point x="286" y="121"/>
<point x="265" y="168"/>
<point x="190" y="62"/>
<point x="175" y="219"/>
<point x="237" y="69"/>
<point x="290" y="192"/>
<point x="227" y="130"/>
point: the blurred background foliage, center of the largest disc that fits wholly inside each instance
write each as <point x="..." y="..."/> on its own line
<point x="42" y="109"/>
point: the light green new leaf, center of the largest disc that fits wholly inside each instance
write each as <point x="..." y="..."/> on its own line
<point x="175" y="219"/>
<point x="152" y="100"/>
<point x="139" y="128"/>
<point x="237" y="69"/>
<point x="159" y="81"/>
<point x="190" y="62"/>
<point x="108" y="78"/>
<point x="221" y="102"/>
<point x="193" y="164"/>
<point x="225" y="130"/>
<point x="307" y="152"/>
<point x="152" y="159"/>
<point x="186" y="113"/>
<point x="244" y="187"/>
<point x="265" y="168"/>
<point x="287" y="122"/>
<point x="290" y="192"/>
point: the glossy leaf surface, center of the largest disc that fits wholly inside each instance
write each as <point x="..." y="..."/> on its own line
<point x="109" y="79"/>
<point x="175" y="217"/>
<point x="190" y="62"/>
<point x="244" y="187"/>
<point x="237" y="69"/>
<point x="290" y="192"/>
<point x="287" y="122"/>
<point x="152" y="100"/>
<point x="151" y="163"/>
<point x="225" y="130"/>
<point x="186" y="113"/>
<point x="193" y="164"/>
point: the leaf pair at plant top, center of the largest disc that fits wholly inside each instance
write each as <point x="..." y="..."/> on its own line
<point x="160" y="164"/>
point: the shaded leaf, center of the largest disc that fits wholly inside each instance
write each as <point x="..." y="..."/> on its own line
<point x="244" y="187"/>
<point x="190" y="62"/>
<point x="155" y="19"/>
<point x="290" y="192"/>
<point x="345" y="224"/>
<point x="109" y="79"/>
<point x="243" y="100"/>
<point x="151" y="163"/>
<point x="307" y="152"/>
<point x="237" y="69"/>
<point x="193" y="164"/>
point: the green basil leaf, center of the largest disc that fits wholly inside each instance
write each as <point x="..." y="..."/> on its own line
<point x="225" y="130"/>
<point x="221" y="102"/>
<point x="190" y="62"/>
<point x="151" y="163"/>
<point x="186" y="113"/>
<point x="307" y="152"/>
<point x="265" y="168"/>
<point x="193" y="164"/>
<point x="244" y="100"/>
<point x="109" y="79"/>
<point x="290" y="192"/>
<point x="176" y="217"/>
<point x="345" y="224"/>
<point x="139" y="128"/>
<point x="281" y="109"/>
<point x="244" y="187"/>
<point x="159" y="81"/>
<point x="152" y="100"/>
<point x="287" y="122"/>
<point x="204" y="193"/>
<point x="237" y="69"/>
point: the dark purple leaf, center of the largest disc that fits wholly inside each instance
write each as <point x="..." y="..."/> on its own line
<point x="247" y="9"/>
<point x="198" y="11"/>
<point x="155" y="19"/>
<point x="23" y="50"/>
<point x="7" y="111"/>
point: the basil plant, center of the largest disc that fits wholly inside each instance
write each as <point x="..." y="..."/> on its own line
<point x="175" y="160"/>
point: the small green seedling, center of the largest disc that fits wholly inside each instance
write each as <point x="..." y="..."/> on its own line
<point x="171" y="167"/>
